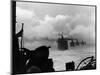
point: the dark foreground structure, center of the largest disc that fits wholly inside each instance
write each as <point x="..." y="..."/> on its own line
<point x="36" y="61"/>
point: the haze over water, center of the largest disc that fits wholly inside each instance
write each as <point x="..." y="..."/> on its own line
<point x="75" y="54"/>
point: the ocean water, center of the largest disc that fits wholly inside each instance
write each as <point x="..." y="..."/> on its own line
<point x="75" y="54"/>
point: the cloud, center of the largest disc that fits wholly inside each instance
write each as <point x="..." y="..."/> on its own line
<point x="51" y="26"/>
<point x="48" y="27"/>
<point x="27" y="17"/>
<point x="80" y="26"/>
<point x="86" y="33"/>
<point x="83" y="27"/>
<point x="24" y="14"/>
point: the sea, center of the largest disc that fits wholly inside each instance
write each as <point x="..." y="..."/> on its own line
<point x="75" y="54"/>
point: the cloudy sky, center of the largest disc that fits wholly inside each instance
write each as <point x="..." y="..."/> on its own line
<point x="43" y="21"/>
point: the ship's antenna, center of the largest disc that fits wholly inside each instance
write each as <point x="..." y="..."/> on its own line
<point x="61" y="34"/>
<point x="22" y="42"/>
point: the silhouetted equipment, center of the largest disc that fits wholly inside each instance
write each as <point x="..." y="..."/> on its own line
<point x="24" y="60"/>
<point x="87" y="64"/>
<point x="15" y="46"/>
<point x="62" y="43"/>
<point x="34" y="69"/>
<point x="70" y="66"/>
<point x="37" y="61"/>
<point x="19" y="59"/>
<point x="40" y="60"/>
<point x="22" y="46"/>
<point x="18" y="62"/>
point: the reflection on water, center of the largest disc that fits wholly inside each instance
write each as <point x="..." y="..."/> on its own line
<point x="75" y="54"/>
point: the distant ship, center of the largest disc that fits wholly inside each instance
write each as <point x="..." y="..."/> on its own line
<point x="62" y="43"/>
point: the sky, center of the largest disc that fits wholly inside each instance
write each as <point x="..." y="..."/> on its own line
<point x="42" y="21"/>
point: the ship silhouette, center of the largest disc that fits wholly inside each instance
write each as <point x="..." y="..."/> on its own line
<point x="64" y="43"/>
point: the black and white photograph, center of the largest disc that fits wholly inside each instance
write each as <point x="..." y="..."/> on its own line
<point x="52" y="37"/>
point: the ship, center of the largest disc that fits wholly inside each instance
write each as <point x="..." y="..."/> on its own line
<point x="62" y="43"/>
